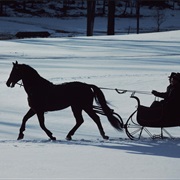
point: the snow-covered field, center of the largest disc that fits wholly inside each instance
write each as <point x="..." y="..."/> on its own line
<point x="133" y="62"/>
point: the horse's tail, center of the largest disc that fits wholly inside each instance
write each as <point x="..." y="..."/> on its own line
<point x="100" y="99"/>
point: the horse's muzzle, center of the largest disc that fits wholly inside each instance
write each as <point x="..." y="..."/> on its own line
<point x="10" y="84"/>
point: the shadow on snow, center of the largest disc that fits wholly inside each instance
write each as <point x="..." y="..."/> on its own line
<point x="164" y="148"/>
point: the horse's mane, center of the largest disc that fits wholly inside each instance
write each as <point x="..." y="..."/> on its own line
<point x="32" y="73"/>
<point x="29" y="70"/>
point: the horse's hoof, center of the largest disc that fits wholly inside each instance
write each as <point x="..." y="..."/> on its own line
<point x="106" y="137"/>
<point x="21" y="136"/>
<point x="53" y="138"/>
<point x="68" y="138"/>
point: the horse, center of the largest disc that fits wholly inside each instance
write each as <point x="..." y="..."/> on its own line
<point x="44" y="96"/>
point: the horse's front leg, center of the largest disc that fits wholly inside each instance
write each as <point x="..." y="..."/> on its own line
<point x="28" y="115"/>
<point x="41" y="119"/>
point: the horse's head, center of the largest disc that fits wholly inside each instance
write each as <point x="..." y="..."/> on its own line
<point x="15" y="75"/>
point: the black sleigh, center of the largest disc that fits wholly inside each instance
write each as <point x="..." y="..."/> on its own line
<point x="143" y="119"/>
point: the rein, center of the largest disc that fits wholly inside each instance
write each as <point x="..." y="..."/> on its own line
<point x="119" y="91"/>
<point x="122" y="91"/>
<point x="20" y="84"/>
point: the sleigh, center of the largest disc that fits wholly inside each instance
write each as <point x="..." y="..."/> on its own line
<point x="143" y="119"/>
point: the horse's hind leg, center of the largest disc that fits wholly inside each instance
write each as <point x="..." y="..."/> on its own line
<point x="79" y="120"/>
<point x="28" y="115"/>
<point x="40" y="116"/>
<point x="96" y="119"/>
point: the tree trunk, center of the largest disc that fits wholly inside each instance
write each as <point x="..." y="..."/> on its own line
<point x="64" y="7"/>
<point x="137" y="14"/>
<point x="111" y="17"/>
<point x="91" y="4"/>
<point x="1" y="8"/>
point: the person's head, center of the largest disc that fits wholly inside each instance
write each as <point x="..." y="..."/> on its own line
<point x="176" y="79"/>
<point x="171" y="76"/>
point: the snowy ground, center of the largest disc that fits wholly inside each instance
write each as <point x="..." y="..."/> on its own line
<point x="133" y="62"/>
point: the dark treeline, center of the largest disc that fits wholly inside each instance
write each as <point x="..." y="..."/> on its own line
<point x="88" y="8"/>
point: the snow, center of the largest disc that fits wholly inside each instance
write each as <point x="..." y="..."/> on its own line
<point x="132" y="62"/>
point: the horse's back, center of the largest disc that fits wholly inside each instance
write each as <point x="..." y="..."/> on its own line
<point x="73" y="90"/>
<point x="64" y="95"/>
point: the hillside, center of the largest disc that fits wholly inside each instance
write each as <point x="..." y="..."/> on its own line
<point x="134" y="62"/>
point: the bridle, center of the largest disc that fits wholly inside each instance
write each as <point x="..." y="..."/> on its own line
<point x="20" y="84"/>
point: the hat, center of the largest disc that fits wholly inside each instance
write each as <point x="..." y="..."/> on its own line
<point x="177" y="76"/>
<point x="172" y="75"/>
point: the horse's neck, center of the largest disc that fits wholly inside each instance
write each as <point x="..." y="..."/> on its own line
<point x="36" y="83"/>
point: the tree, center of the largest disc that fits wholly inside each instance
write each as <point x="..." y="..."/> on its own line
<point x="159" y="18"/>
<point x="1" y="8"/>
<point x="111" y="17"/>
<point x="65" y="7"/>
<point x="91" y="5"/>
<point x="137" y="14"/>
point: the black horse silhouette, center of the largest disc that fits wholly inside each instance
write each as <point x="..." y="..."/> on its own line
<point x="44" y="96"/>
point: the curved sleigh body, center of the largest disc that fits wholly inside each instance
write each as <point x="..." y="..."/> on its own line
<point x="144" y="118"/>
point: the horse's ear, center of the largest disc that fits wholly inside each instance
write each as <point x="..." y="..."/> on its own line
<point x="16" y="63"/>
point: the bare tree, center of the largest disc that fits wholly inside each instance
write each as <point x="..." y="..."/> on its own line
<point x="91" y="5"/>
<point x="138" y="13"/>
<point x="111" y="17"/>
<point x="159" y="17"/>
